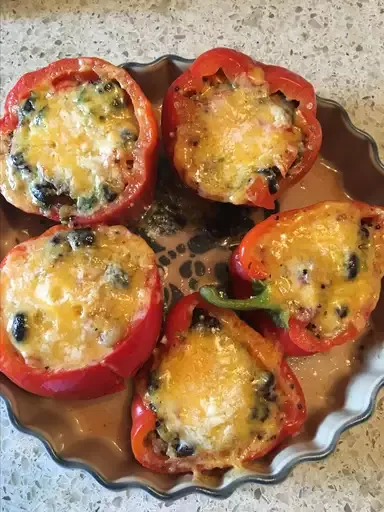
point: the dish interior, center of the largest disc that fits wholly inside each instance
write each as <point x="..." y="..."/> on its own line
<point x="192" y="239"/>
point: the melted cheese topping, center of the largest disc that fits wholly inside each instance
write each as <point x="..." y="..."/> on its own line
<point x="231" y="134"/>
<point x="207" y="394"/>
<point x="311" y="258"/>
<point x="77" y="301"/>
<point x="78" y="140"/>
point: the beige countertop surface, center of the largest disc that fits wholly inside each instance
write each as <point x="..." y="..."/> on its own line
<point x="339" y="47"/>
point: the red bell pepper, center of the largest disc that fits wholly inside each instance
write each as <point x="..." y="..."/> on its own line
<point x="73" y="72"/>
<point x="97" y="379"/>
<point x="348" y="289"/>
<point x="181" y="101"/>
<point x="266" y="353"/>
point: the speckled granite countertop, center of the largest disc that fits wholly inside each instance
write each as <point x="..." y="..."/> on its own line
<point x="339" y="47"/>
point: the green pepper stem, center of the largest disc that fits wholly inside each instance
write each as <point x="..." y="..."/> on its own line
<point x="261" y="301"/>
<point x="211" y="294"/>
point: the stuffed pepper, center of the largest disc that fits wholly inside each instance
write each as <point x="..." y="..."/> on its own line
<point x="314" y="273"/>
<point x="240" y="131"/>
<point x="215" y="394"/>
<point x="81" y="311"/>
<point x="78" y="143"/>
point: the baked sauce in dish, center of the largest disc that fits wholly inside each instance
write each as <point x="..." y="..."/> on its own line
<point x="69" y="297"/>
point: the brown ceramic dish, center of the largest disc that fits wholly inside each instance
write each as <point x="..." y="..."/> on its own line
<point x="192" y="239"/>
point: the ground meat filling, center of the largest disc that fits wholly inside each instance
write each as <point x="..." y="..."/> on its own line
<point x="210" y="395"/>
<point x="73" y="148"/>
<point x="234" y="133"/>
